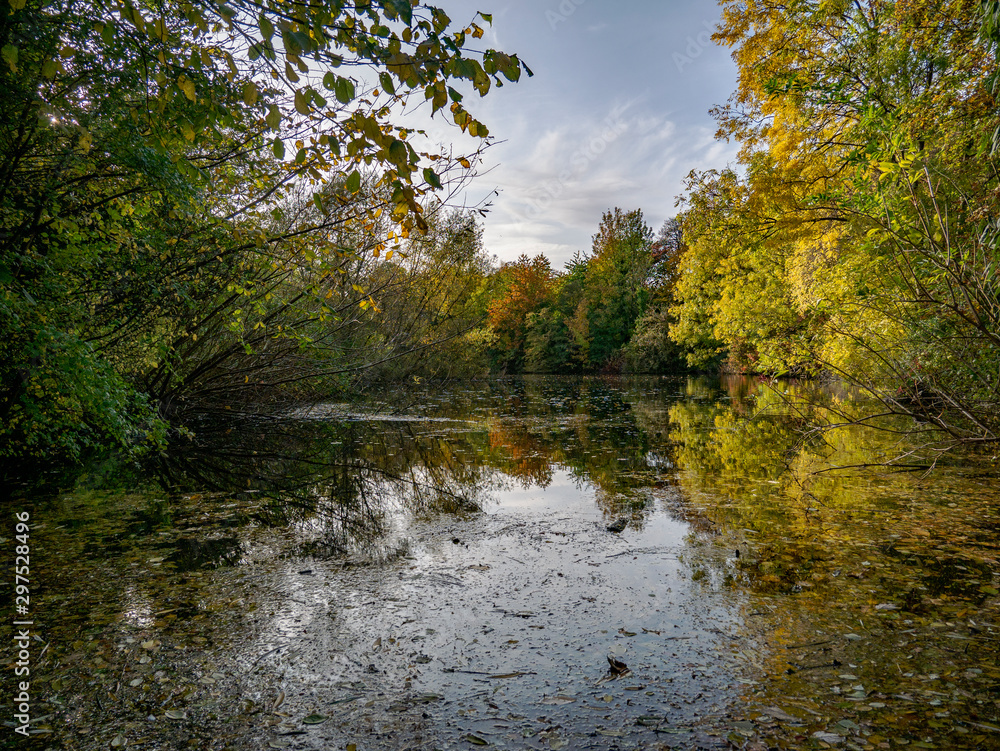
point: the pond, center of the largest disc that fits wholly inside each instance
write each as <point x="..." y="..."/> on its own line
<point x="536" y="563"/>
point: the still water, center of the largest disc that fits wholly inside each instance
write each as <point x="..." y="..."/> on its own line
<point x="437" y="571"/>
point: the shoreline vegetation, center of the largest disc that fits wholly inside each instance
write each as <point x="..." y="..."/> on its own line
<point x="213" y="209"/>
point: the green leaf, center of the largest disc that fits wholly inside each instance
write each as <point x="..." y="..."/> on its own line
<point x="398" y="153"/>
<point x="9" y="54"/>
<point x="278" y="146"/>
<point x="329" y="81"/>
<point x="403" y="9"/>
<point x="488" y="17"/>
<point x="273" y="118"/>
<point x="353" y="183"/>
<point x="386" y="80"/>
<point x="265" y="26"/>
<point x="432" y="179"/>
<point x="303" y="41"/>
<point x="301" y="102"/>
<point x="455" y="96"/>
<point x="250" y="93"/>
<point x="344" y="90"/>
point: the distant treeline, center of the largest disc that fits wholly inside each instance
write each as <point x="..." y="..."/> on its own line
<point x="858" y="236"/>
<point x="190" y="223"/>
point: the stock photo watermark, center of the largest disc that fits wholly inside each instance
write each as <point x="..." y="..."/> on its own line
<point x="696" y="45"/>
<point x="563" y="11"/>
<point x="577" y="164"/>
<point x="22" y="624"/>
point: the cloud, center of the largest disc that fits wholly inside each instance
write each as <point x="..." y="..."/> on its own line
<point x="608" y="120"/>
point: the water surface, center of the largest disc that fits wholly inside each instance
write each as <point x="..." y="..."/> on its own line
<point x="437" y="572"/>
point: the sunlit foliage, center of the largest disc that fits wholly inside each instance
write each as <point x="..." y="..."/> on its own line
<point x="186" y="191"/>
<point x="858" y="235"/>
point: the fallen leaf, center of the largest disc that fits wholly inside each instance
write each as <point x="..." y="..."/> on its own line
<point x="558" y="699"/>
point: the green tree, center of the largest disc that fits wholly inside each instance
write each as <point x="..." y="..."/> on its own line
<point x="616" y="287"/>
<point x="650" y="349"/>
<point x="156" y="165"/>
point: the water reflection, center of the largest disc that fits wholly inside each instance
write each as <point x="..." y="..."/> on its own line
<point x="407" y="557"/>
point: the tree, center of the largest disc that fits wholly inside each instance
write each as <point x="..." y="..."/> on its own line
<point x="650" y="349"/>
<point x="616" y="287"/>
<point x="153" y="161"/>
<point x="863" y="229"/>
<point x="522" y="287"/>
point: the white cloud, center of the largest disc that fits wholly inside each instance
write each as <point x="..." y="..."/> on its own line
<point x="605" y="122"/>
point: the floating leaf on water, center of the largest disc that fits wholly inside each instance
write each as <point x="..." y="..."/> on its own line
<point x="176" y="714"/>
<point x="118" y="741"/>
<point x="558" y="699"/>
<point x="475" y="740"/>
<point x="135" y="682"/>
<point x="779" y="714"/>
<point x="832" y="738"/>
<point x="314" y="719"/>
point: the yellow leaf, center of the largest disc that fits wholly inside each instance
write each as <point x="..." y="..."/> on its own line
<point x="187" y="86"/>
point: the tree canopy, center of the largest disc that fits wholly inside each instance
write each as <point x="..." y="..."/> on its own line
<point x="185" y="184"/>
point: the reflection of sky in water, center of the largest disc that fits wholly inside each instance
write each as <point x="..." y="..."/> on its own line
<point x="410" y="621"/>
<point x="565" y="493"/>
<point x="537" y="585"/>
<point x="137" y="607"/>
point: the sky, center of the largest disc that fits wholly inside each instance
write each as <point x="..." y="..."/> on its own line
<point x="616" y="114"/>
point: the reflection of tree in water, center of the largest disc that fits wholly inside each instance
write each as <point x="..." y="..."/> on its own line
<point x="340" y="480"/>
<point x="346" y="479"/>
<point x="767" y="476"/>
